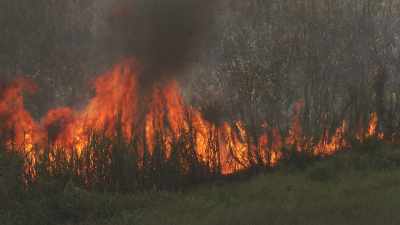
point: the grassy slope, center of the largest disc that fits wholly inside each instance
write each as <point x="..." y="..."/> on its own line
<point x="355" y="188"/>
<point x="278" y="199"/>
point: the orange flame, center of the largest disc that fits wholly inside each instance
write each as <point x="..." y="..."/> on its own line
<point x="17" y="126"/>
<point x="330" y="145"/>
<point x="166" y="119"/>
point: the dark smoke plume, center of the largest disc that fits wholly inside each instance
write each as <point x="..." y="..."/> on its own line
<point x="163" y="35"/>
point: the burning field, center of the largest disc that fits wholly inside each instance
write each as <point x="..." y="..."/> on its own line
<point x="156" y="132"/>
<point x="199" y="112"/>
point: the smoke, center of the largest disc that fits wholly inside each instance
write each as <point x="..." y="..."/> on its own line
<point x="163" y="35"/>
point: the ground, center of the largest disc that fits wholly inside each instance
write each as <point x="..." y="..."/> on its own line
<point x="362" y="198"/>
<point x="360" y="187"/>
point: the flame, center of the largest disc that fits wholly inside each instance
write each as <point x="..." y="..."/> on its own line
<point x="17" y="127"/>
<point x="158" y="121"/>
<point x="330" y="145"/>
<point x="373" y="127"/>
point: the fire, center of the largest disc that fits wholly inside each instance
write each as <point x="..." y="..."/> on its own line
<point x="158" y="121"/>
<point x="371" y="130"/>
<point x="373" y="127"/>
<point x="330" y="145"/>
<point x="17" y="127"/>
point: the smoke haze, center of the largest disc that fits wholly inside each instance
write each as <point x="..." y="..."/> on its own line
<point x="162" y="35"/>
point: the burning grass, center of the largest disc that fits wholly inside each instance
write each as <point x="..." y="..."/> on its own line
<point x="124" y="141"/>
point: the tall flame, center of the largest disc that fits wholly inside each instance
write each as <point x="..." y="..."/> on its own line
<point x="17" y="127"/>
<point x="160" y="118"/>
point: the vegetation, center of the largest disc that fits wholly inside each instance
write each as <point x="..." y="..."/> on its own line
<point x="338" y="58"/>
<point x="352" y="187"/>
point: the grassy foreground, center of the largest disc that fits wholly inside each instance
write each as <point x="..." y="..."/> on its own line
<point x="357" y="187"/>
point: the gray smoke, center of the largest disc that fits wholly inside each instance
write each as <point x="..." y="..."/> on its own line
<point x="163" y="35"/>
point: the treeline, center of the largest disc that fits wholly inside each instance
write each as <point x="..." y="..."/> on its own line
<point x="340" y="57"/>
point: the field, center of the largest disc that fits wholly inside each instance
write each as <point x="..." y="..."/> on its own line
<point x="360" y="186"/>
<point x="186" y="112"/>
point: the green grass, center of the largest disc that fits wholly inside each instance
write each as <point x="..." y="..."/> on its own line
<point x="278" y="199"/>
<point x="358" y="187"/>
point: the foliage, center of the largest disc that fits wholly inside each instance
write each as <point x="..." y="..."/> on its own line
<point x="337" y="190"/>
